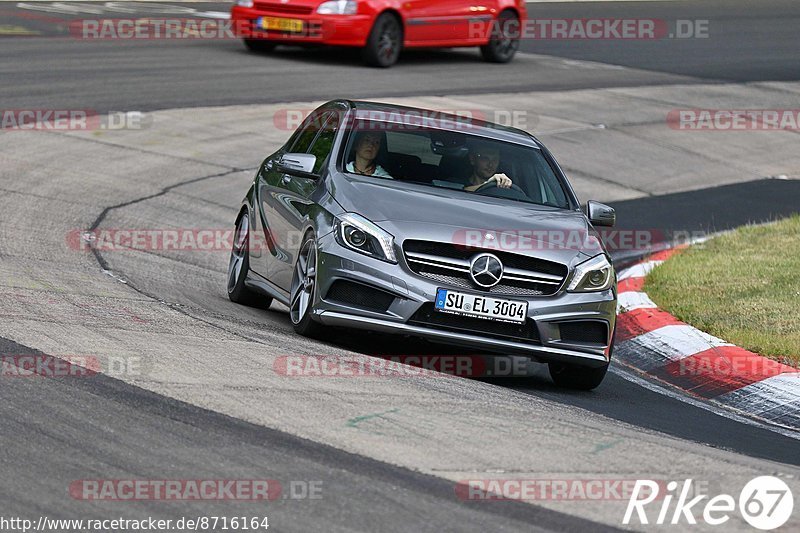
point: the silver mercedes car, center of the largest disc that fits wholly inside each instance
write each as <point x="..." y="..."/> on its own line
<point x="414" y="222"/>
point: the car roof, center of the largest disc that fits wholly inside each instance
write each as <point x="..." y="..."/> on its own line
<point x="440" y="120"/>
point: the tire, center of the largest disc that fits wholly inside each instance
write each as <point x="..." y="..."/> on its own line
<point x="385" y="42"/>
<point x="260" y="46"/>
<point x="239" y="266"/>
<point x="304" y="290"/>
<point x="502" y="46"/>
<point x="577" y="377"/>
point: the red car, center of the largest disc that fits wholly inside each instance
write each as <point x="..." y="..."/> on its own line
<point x="382" y="28"/>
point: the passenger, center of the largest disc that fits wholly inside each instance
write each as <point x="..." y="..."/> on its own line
<point x="367" y="144"/>
<point x="485" y="159"/>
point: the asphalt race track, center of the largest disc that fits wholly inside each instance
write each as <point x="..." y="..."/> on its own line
<point x="359" y="493"/>
<point x="206" y="402"/>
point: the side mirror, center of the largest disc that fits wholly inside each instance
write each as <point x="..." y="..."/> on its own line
<point x="298" y="164"/>
<point x="600" y="214"/>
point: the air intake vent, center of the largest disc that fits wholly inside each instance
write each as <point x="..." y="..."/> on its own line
<point x="358" y="295"/>
<point x="584" y="332"/>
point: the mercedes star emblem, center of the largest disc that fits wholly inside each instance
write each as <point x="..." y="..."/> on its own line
<point x="486" y="270"/>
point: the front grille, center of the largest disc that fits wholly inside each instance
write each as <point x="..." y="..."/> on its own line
<point x="427" y="316"/>
<point x="449" y="263"/>
<point x="283" y="8"/>
<point x="358" y="295"/>
<point x="465" y="283"/>
<point x="584" y="332"/>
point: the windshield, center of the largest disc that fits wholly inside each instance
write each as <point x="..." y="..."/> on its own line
<point x="453" y="160"/>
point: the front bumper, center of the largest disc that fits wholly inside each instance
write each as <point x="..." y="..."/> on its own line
<point x="336" y="30"/>
<point x="539" y="353"/>
<point x="406" y="295"/>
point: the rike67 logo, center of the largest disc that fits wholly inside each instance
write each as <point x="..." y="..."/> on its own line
<point x="765" y="503"/>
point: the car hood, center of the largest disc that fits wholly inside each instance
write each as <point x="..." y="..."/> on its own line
<point x="413" y="211"/>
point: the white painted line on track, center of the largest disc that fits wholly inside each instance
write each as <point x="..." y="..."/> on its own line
<point x="75" y="8"/>
<point x="214" y="14"/>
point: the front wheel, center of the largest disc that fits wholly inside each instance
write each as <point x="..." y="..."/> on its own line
<point x="577" y="377"/>
<point x="504" y="40"/>
<point x="239" y="266"/>
<point x="304" y="289"/>
<point x="385" y="42"/>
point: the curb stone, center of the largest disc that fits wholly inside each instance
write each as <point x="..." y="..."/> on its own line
<point x="657" y="344"/>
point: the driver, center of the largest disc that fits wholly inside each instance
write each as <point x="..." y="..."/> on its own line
<point x="485" y="159"/>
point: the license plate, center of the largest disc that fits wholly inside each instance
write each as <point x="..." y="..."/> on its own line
<point x="280" y="24"/>
<point x="462" y="303"/>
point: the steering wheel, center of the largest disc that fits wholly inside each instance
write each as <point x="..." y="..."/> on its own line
<point x="517" y="193"/>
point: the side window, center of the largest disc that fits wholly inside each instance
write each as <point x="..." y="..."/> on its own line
<point x="305" y="136"/>
<point x="322" y="146"/>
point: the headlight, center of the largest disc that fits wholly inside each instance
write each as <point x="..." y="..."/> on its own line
<point x="338" y="7"/>
<point x="357" y="233"/>
<point x="596" y="274"/>
<point x="244" y="3"/>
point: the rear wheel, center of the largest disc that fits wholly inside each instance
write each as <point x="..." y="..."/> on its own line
<point x="504" y="40"/>
<point x="239" y="266"/>
<point x="259" y="45"/>
<point x="385" y="42"/>
<point x="304" y="289"/>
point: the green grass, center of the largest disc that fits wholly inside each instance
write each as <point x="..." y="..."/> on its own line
<point x="743" y="287"/>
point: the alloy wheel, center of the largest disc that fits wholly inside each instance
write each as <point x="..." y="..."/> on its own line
<point x="303" y="281"/>
<point x="238" y="252"/>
